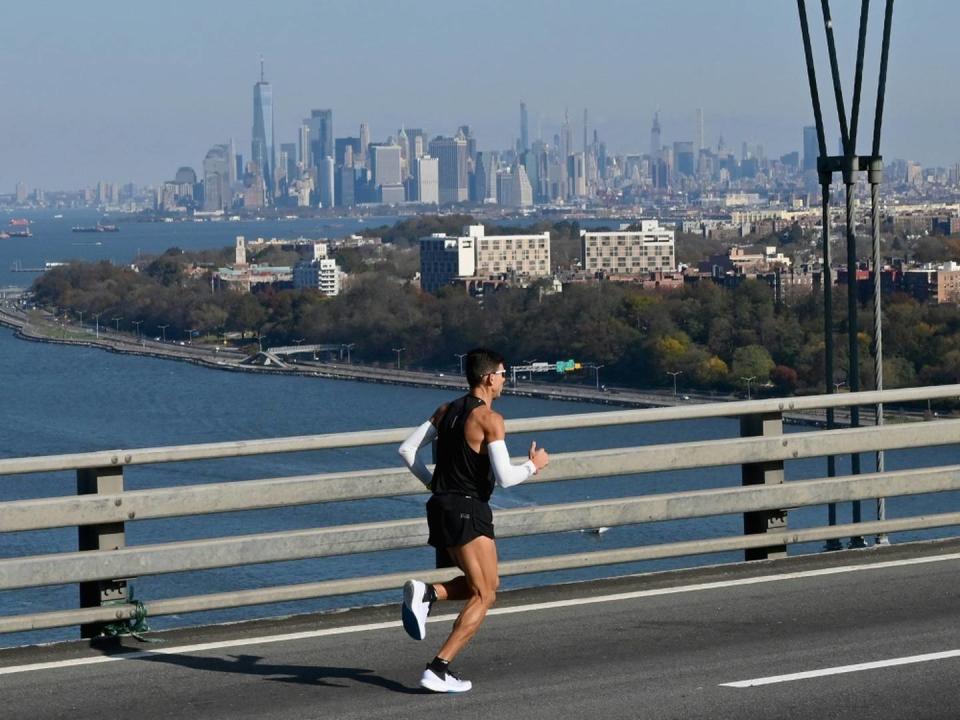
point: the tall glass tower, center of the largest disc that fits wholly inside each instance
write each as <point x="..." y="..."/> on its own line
<point x="524" y="133"/>
<point x="262" y="147"/>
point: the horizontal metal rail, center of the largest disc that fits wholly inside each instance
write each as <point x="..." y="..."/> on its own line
<point x="350" y="586"/>
<point x="245" y="448"/>
<point x="387" y="482"/>
<point x="368" y="537"/>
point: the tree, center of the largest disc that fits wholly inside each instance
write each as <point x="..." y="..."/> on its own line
<point x="752" y="361"/>
<point x="785" y="379"/>
<point x="712" y="372"/>
<point x="246" y="314"/>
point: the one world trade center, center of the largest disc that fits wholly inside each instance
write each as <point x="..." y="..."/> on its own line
<point x="262" y="147"/>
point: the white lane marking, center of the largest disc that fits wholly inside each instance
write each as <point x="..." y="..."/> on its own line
<point x="308" y="634"/>
<point x="841" y="669"/>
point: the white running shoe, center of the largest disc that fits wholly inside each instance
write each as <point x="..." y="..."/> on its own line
<point x="449" y="683"/>
<point x="415" y="609"/>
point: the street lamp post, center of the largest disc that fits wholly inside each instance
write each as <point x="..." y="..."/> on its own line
<point x="96" y="316"/>
<point x="597" y="370"/>
<point x="398" y="351"/>
<point x="749" y="380"/>
<point x="117" y="321"/>
<point x="838" y="385"/>
<point x="529" y="364"/>
<point x="138" y="323"/>
<point x="80" y="312"/>
<point x="674" y="373"/>
<point x="163" y="331"/>
<point x="460" y="357"/>
<point x="349" y="347"/>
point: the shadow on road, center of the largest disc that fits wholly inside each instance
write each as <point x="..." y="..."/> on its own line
<point x="300" y="674"/>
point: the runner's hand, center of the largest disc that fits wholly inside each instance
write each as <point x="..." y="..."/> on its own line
<point x="538" y="456"/>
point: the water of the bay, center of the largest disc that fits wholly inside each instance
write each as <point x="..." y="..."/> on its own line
<point x="60" y="399"/>
<point x="53" y="239"/>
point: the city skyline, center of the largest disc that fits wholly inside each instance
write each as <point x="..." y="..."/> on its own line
<point x="138" y="104"/>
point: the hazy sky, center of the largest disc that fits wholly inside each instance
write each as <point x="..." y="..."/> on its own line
<point x="130" y="90"/>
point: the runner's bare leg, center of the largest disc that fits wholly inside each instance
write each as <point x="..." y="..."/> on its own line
<point x="478" y="560"/>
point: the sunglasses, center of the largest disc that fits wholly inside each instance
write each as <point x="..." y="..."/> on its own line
<point x="501" y="373"/>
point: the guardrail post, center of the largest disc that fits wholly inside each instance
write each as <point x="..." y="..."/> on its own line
<point x="763" y="473"/>
<point x="106" y="536"/>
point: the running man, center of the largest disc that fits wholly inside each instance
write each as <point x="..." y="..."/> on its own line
<point x="471" y="455"/>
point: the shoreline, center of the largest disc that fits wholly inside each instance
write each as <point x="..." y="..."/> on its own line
<point x="229" y="360"/>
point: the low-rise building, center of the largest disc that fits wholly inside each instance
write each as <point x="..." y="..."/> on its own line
<point x="322" y="274"/>
<point x="444" y="258"/>
<point x="246" y="278"/>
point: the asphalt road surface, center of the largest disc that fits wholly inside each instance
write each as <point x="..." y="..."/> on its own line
<point x="875" y="631"/>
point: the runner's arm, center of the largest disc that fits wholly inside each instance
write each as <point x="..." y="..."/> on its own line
<point x="506" y="473"/>
<point x="423" y="435"/>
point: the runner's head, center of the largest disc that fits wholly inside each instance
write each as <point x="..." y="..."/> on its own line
<point x="481" y="362"/>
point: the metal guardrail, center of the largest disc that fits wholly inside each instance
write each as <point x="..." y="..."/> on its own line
<point x="102" y="508"/>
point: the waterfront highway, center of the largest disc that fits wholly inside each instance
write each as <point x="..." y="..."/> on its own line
<point x="855" y="634"/>
<point x="41" y="327"/>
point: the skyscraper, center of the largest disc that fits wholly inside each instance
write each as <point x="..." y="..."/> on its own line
<point x="586" y="146"/>
<point x="326" y="181"/>
<point x="417" y="139"/>
<point x="235" y="171"/>
<point x="655" y="137"/>
<point x="341" y="146"/>
<point x="700" y="145"/>
<point x="404" y="144"/>
<point x="451" y="154"/>
<point x="364" y="142"/>
<point x="683" y="158"/>
<point x="524" y="130"/>
<point x="304" y="161"/>
<point x="426" y="176"/>
<point x="811" y="147"/>
<point x="485" y="177"/>
<point x="385" y="169"/>
<point x="320" y="123"/>
<point x="576" y="175"/>
<point x="566" y="148"/>
<point x="385" y="164"/>
<point x="216" y="177"/>
<point x="262" y="146"/>
<point x="291" y="169"/>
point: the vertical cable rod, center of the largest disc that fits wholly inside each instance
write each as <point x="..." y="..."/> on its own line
<point x="835" y="72"/>
<point x="858" y="77"/>
<point x="881" y="88"/>
<point x="875" y="177"/>
<point x="812" y="77"/>
<point x="825" y="176"/>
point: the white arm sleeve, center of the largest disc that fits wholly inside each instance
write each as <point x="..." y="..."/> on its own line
<point x="423" y="435"/>
<point x="506" y="473"/>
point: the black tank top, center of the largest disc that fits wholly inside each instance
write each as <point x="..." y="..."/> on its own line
<point x="460" y="469"/>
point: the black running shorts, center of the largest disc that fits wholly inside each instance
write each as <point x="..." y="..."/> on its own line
<point x="455" y="520"/>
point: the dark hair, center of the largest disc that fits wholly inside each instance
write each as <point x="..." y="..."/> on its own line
<point x="481" y="362"/>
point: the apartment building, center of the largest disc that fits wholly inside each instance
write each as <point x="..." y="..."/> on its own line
<point x="631" y="253"/>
